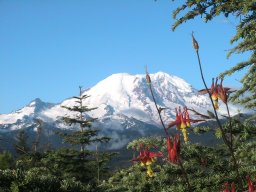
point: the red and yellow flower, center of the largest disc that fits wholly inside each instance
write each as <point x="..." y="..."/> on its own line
<point x="217" y="91"/>
<point x="146" y="158"/>
<point x="226" y="187"/>
<point x="173" y="148"/>
<point x="251" y="187"/>
<point x="182" y="122"/>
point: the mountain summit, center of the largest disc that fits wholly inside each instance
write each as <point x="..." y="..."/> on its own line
<point x="125" y="108"/>
<point x="118" y="95"/>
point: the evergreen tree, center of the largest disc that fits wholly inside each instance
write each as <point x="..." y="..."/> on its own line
<point x="6" y="160"/>
<point x="82" y="163"/>
<point x="21" y="145"/>
<point x="39" y="130"/>
<point x="245" y="12"/>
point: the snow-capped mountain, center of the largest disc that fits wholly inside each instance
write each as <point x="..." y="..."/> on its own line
<point x="123" y="102"/>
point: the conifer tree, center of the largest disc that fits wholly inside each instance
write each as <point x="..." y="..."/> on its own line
<point x="245" y="13"/>
<point x="6" y="160"/>
<point x="79" y="161"/>
<point x="21" y="145"/>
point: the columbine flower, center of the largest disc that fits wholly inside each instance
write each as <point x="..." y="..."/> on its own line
<point x="217" y="91"/>
<point x="233" y="187"/>
<point x="213" y="93"/>
<point x="183" y="122"/>
<point x="226" y="187"/>
<point x="251" y="187"/>
<point x="146" y="158"/>
<point x="223" y="92"/>
<point x="173" y="148"/>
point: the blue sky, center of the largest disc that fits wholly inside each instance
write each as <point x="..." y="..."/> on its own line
<point x="48" y="48"/>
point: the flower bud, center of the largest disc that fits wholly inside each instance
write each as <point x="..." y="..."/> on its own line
<point x="195" y="44"/>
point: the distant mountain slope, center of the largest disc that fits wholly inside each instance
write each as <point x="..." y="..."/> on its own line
<point x="123" y="101"/>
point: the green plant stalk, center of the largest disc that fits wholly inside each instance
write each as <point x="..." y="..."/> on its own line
<point x="220" y="126"/>
<point x="230" y="126"/>
<point x="184" y="172"/>
<point x="158" y="111"/>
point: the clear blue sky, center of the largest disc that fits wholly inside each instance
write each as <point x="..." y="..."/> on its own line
<point x="48" y="48"/>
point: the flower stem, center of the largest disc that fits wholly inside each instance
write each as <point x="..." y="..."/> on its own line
<point x="184" y="173"/>
<point x="230" y="126"/>
<point x="158" y="111"/>
<point x="224" y="137"/>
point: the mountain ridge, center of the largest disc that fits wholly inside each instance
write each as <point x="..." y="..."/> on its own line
<point x="123" y="93"/>
<point x="126" y="110"/>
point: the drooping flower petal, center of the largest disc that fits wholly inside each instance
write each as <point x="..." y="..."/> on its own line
<point x="223" y="92"/>
<point x="233" y="187"/>
<point x="251" y="187"/>
<point x="173" y="148"/>
<point x="226" y="187"/>
<point x="183" y="121"/>
<point x="178" y="118"/>
<point x="146" y="158"/>
<point x="177" y="121"/>
<point x="213" y="91"/>
<point x="214" y="94"/>
<point x="150" y="172"/>
<point x="203" y="91"/>
<point x="185" y="134"/>
<point x="216" y="104"/>
<point x="187" y="118"/>
<point x="183" y="124"/>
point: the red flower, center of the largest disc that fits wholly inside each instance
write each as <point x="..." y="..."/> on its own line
<point x="233" y="187"/>
<point x="178" y="118"/>
<point x="226" y="187"/>
<point x="146" y="156"/>
<point x="213" y="93"/>
<point x="217" y="91"/>
<point x="187" y="119"/>
<point x="183" y="121"/>
<point x="223" y="92"/>
<point x="251" y="187"/>
<point x="173" y="148"/>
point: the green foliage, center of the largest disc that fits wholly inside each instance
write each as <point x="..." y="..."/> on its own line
<point x="82" y="137"/>
<point x="69" y="163"/>
<point x="85" y="165"/>
<point x="146" y="141"/>
<point x="38" y="179"/>
<point x="6" y="160"/>
<point x="71" y="185"/>
<point x="201" y="129"/>
<point x="6" y="178"/>
<point x="245" y="37"/>
<point x="208" y="168"/>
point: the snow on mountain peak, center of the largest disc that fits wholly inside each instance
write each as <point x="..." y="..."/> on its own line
<point x="129" y="95"/>
<point x="30" y="110"/>
<point x="121" y="95"/>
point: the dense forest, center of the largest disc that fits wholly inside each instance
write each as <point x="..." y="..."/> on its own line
<point x="168" y="163"/>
